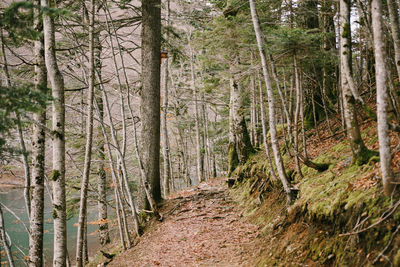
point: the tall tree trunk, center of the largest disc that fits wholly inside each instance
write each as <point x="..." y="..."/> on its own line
<point x="393" y="9"/>
<point x="58" y="175"/>
<point x="199" y="148"/>
<point x="350" y="94"/>
<point x="38" y="153"/>
<point x="382" y="98"/>
<point x="104" y="234"/>
<point x="117" y="189"/>
<point x="207" y="145"/>
<point x="253" y="112"/>
<point x="242" y="144"/>
<point x="264" y="131"/>
<point x="150" y="94"/>
<point x="296" y="117"/>
<point x="123" y="183"/>
<point x="165" y="148"/>
<point x="271" y="104"/>
<point x="80" y="260"/>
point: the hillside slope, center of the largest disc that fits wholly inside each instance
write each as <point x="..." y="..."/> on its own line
<point x="340" y="217"/>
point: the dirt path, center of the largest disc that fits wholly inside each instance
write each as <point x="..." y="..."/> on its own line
<point x="201" y="227"/>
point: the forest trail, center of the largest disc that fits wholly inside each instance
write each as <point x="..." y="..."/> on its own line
<point x="202" y="226"/>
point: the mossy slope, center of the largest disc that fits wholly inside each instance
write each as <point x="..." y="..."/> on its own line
<point x="314" y="230"/>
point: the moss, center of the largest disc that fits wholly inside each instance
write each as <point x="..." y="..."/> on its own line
<point x="248" y="147"/>
<point x="373" y="140"/>
<point x="57" y="134"/>
<point x="364" y="156"/>
<point x="396" y="260"/>
<point x="330" y="203"/>
<point x="346" y="30"/>
<point x="370" y="112"/>
<point x="233" y="159"/>
<point x="341" y="147"/>
<point x="55" y="175"/>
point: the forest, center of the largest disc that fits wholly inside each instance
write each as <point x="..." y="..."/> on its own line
<point x="199" y="133"/>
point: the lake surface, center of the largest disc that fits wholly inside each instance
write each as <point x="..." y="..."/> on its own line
<point x="14" y="199"/>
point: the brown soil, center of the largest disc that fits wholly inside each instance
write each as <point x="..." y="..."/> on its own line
<point x="202" y="226"/>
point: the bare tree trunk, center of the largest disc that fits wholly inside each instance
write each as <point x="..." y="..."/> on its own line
<point x="264" y="131"/>
<point x="121" y="227"/>
<point x="199" y="148"/>
<point x="124" y="183"/>
<point x="104" y="234"/>
<point x="150" y="95"/>
<point x="114" y="176"/>
<point x="271" y="102"/>
<point x="207" y="145"/>
<point x="350" y="94"/>
<point x="382" y="98"/>
<point x="242" y="143"/>
<point x="58" y="175"/>
<point x="164" y="126"/>
<point x="393" y="9"/>
<point x="303" y="130"/>
<point x="80" y="261"/>
<point x="296" y="116"/>
<point x="253" y="112"/>
<point x="38" y="153"/>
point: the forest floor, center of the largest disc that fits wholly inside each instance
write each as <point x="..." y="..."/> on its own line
<point x="202" y="226"/>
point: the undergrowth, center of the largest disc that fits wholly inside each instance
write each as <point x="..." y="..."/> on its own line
<point x="320" y="227"/>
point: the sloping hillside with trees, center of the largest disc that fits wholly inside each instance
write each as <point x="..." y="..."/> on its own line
<point x="117" y="117"/>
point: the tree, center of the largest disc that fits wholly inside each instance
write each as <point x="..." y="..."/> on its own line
<point x="240" y="146"/>
<point x="58" y="138"/>
<point x="199" y="144"/>
<point x="272" y="120"/>
<point x="382" y="98"/>
<point x="150" y="94"/>
<point x="165" y="141"/>
<point x="88" y="148"/>
<point x="38" y="152"/>
<point x="350" y="93"/>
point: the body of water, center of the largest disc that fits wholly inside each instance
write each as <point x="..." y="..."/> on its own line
<point x="14" y="200"/>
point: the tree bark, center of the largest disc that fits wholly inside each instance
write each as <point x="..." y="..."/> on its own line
<point x="382" y="98"/>
<point x="264" y="132"/>
<point x="393" y="9"/>
<point x="104" y="234"/>
<point x="58" y="136"/>
<point x="240" y="146"/>
<point x="350" y="94"/>
<point x="150" y="94"/>
<point x="165" y="142"/>
<point x="38" y="153"/>
<point x="80" y="260"/>
<point x="271" y="103"/>
<point x="199" y="147"/>
<point x="296" y="117"/>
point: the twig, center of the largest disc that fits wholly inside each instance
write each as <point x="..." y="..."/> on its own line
<point x="390" y="212"/>
<point x="387" y="246"/>
<point x="16" y="216"/>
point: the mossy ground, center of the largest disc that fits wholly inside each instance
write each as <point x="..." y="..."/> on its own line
<point x="343" y="199"/>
